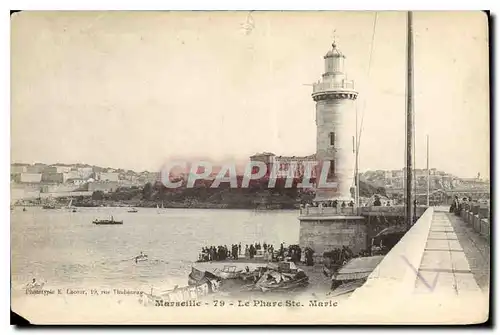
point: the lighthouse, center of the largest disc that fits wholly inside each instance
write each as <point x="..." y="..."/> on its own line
<point x="334" y="95"/>
<point x="327" y="227"/>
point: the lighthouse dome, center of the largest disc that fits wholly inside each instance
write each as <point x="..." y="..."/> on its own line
<point x="335" y="52"/>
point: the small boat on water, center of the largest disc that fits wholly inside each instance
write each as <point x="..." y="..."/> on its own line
<point x="285" y="278"/>
<point x="51" y="206"/>
<point x="132" y="210"/>
<point x="271" y="277"/>
<point x="353" y="274"/>
<point x="141" y="258"/>
<point x="198" y="277"/>
<point x="71" y="207"/>
<point x="107" y="222"/>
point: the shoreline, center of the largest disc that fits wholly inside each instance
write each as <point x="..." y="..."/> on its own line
<point x="139" y="205"/>
<point x="185" y="207"/>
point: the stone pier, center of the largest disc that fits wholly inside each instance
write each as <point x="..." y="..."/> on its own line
<point x="324" y="229"/>
<point x="438" y="273"/>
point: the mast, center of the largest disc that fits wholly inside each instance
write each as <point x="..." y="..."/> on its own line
<point x="428" y="174"/>
<point x="356" y="167"/>
<point x="409" y="122"/>
<point x="415" y="189"/>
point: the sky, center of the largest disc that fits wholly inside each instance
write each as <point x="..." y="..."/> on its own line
<point x="135" y="89"/>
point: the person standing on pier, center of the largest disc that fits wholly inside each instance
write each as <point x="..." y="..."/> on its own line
<point x="251" y="250"/>
<point x="235" y="251"/>
<point x="309" y="256"/>
<point x="227" y="253"/>
<point x="211" y="254"/>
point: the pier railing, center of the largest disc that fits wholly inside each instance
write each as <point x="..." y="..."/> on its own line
<point x="319" y="211"/>
<point x="479" y="218"/>
<point x="365" y="211"/>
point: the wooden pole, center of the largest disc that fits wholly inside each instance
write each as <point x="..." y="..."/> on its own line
<point x="356" y="168"/>
<point x="428" y="174"/>
<point x="409" y="123"/>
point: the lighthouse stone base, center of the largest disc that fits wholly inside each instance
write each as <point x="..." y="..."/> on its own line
<point x="326" y="232"/>
<point x="324" y="229"/>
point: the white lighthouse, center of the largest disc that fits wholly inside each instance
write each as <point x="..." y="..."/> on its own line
<point x="335" y="122"/>
<point x="324" y="228"/>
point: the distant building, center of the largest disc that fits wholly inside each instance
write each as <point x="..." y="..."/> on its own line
<point x="71" y="175"/>
<point x="286" y="166"/>
<point x="148" y="177"/>
<point x="18" y="169"/>
<point x="53" y="177"/>
<point x="55" y="188"/>
<point x="106" y="176"/>
<point x="76" y="181"/>
<point x="83" y="172"/>
<point x="128" y="183"/>
<point x="98" y="169"/>
<point x="28" y="178"/>
<point x="105" y="186"/>
<point x="35" y="168"/>
<point x="294" y="166"/>
<point x="265" y="157"/>
<point x="421" y="173"/>
<point x="57" y="169"/>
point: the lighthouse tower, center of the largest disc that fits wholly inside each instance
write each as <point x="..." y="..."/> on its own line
<point x="325" y="228"/>
<point x="335" y="122"/>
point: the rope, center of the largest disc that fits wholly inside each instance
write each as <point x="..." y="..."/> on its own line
<point x="358" y="136"/>
<point x="369" y="70"/>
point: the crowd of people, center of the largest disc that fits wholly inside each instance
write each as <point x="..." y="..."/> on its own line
<point x="222" y="252"/>
<point x="266" y="251"/>
<point x="254" y="249"/>
<point x="338" y="257"/>
<point x="458" y="204"/>
<point x="219" y="253"/>
<point x="331" y="203"/>
<point x="294" y="253"/>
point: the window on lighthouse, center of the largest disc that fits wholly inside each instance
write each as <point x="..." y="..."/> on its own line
<point x="332" y="168"/>
<point x="332" y="139"/>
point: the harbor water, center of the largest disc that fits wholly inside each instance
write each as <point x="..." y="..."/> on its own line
<point x="64" y="249"/>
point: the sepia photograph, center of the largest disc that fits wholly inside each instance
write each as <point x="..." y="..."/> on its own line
<point x="250" y="167"/>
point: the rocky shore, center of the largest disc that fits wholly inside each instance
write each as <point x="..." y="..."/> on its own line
<point x="257" y="197"/>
